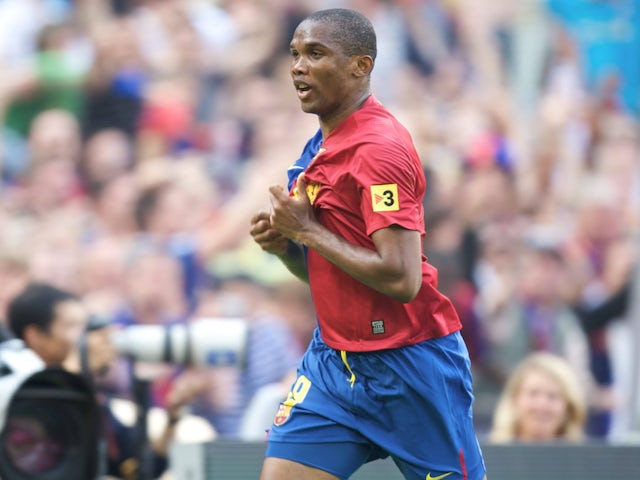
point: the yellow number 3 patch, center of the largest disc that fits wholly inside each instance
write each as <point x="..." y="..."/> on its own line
<point x="384" y="198"/>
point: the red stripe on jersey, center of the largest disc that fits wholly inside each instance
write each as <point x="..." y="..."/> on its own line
<point x="463" y="466"/>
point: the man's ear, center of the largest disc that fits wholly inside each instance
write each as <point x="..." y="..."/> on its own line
<point x="32" y="337"/>
<point x="362" y="66"/>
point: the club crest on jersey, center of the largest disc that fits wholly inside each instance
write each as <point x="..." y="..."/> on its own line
<point x="312" y="191"/>
<point x="384" y="198"/>
<point x="282" y="415"/>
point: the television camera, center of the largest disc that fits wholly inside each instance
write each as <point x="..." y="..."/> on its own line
<point x="49" y="419"/>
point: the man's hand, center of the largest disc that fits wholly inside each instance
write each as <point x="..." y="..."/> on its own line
<point x="184" y="390"/>
<point x="281" y="240"/>
<point x="292" y="216"/>
<point x="269" y="239"/>
<point x="101" y="350"/>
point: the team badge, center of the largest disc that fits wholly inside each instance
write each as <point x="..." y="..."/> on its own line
<point x="312" y="191"/>
<point x="384" y="198"/>
<point x="283" y="415"/>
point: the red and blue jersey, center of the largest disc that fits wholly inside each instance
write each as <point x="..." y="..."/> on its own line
<point x="365" y="176"/>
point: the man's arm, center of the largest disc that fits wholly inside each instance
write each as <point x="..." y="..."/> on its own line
<point x="393" y="269"/>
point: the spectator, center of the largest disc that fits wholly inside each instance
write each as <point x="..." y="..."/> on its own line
<point x="51" y="322"/>
<point x="521" y="309"/>
<point x="601" y="257"/>
<point x="48" y="180"/>
<point x="115" y="84"/>
<point x="541" y="402"/>
<point x="57" y="75"/>
<point x="106" y="155"/>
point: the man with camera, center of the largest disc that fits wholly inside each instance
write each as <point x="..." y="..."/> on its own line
<point x="54" y="324"/>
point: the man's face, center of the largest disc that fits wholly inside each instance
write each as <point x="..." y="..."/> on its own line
<point x="64" y="333"/>
<point x="320" y="70"/>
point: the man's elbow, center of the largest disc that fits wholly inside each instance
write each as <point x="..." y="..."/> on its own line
<point x="405" y="292"/>
<point x="407" y="297"/>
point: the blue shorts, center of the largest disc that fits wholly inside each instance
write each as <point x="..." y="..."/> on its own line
<point x="412" y="403"/>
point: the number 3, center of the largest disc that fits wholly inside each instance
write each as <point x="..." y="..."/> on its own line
<point x="389" y="195"/>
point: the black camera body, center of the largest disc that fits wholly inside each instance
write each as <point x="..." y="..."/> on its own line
<point x="49" y="419"/>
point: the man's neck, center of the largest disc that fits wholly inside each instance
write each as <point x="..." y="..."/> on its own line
<point x="330" y="124"/>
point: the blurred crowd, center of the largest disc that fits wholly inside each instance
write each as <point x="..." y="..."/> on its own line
<point x="139" y="136"/>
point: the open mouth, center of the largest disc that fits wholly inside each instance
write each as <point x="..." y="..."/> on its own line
<point x="302" y="88"/>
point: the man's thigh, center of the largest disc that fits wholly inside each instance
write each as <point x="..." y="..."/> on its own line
<point x="317" y="460"/>
<point x="282" y="469"/>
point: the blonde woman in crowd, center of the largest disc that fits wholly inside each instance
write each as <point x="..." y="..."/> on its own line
<point x="541" y="402"/>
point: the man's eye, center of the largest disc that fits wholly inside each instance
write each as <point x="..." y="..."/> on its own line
<point x="316" y="53"/>
<point x="294" y="54"/>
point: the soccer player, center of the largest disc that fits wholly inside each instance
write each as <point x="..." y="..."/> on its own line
<point x="387" y="373"/>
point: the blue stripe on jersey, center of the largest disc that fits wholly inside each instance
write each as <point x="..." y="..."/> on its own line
<point x="308" y="152"/>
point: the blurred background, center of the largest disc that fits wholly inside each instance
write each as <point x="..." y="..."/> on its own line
<point x="139" y="137"/>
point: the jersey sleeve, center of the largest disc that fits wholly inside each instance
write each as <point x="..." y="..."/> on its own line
<point x="392" y="187"/>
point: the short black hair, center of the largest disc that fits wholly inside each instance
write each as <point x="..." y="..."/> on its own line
<point x="354" y="31"/>
<point x="35" y="305"/>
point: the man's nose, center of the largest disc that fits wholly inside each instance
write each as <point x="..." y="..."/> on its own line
<point x="298" y="65"/>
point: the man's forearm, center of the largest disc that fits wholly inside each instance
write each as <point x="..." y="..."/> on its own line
<point x="295" y="261"/>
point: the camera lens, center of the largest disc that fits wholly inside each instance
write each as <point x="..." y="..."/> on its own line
<point x="39" y="438"/>
<point x="31" y="448"/>
<point x="50" y="430"/>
